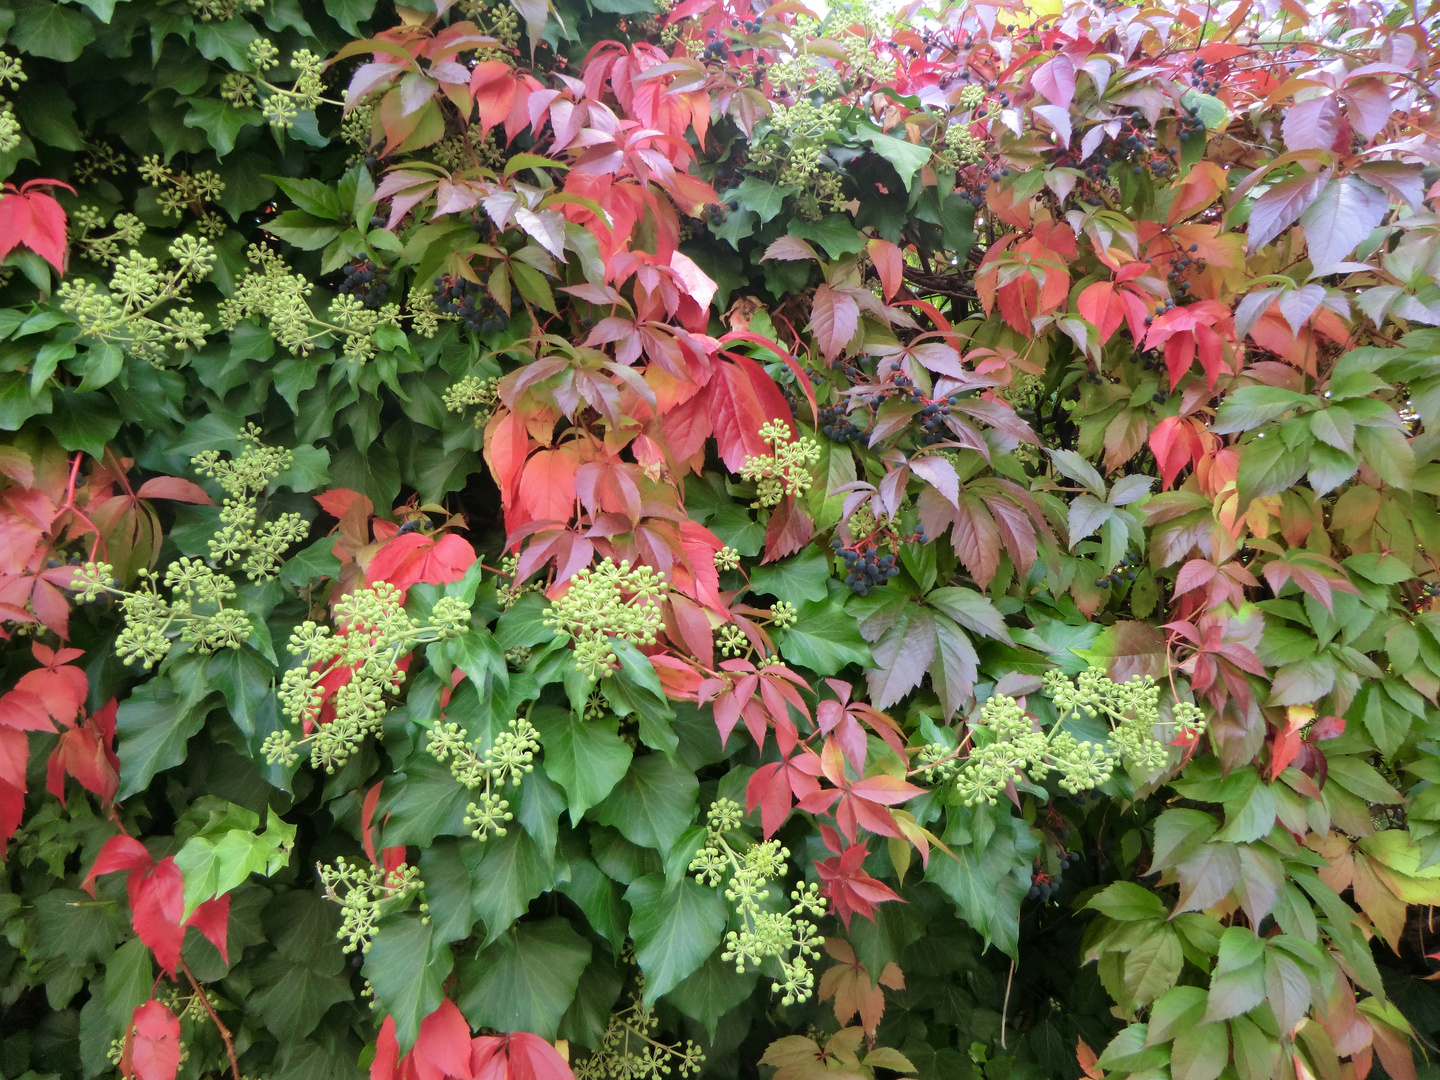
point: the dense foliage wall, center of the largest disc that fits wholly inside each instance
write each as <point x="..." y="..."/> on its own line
<point x="726" y="540"/>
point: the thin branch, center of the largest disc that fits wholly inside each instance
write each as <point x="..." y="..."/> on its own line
<point x="215" y="1018"/>
<point x="1005" y="1008"/>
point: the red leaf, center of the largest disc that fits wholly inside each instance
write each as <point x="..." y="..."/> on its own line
<point x="337" y="502"/>
<point x="172" y="487"/>
<point x="443" y="1046"/>
<point x="1311" y="124"/>
<point x="492" y="84"/>
<point x="212" y="919"/>
<point x="157" y="900"/>
<point x="61" y="689"/>
<point x="155" y="1047"/>
<point x="833" y="318"/>
<point x="788" y="530"/>
<point x="14" y="756"/>
<point x="83" y="753"/>
<point x="889" y="264"/>
<point x="849" y="888"/>
<point x="35" y="220"/>
<point x="387" y="1052"/>
<point x="743" y="398"/>
<point x="1055" y="78"/>
<point x="12" y="809"/>
<point x="532" y="1058"/>
<point x="119" y="853"/>
<point x="21" y="710"/>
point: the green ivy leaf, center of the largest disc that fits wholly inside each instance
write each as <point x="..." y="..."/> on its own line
<point x="291" y="998"/>
<point x="712" y="991"/>
<point x="153" y="727"/>
<point x="653" y="804"/>
<point x="585" y="757"/>
<point x="674" y="930"/>
<point x="408" y="965"/>
<point x="526" y="980"/>
<point x="798" y="580"/>
<point x="763" y="197"/>
<point x="824" y="639"/>
<point x="513" y="871"/>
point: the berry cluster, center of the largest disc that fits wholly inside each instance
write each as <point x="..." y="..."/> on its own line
<point x="933" y="428"/>
<point x="1121" y="575"/>
<point x="716" y="49"/>
<point x="865" y="567"/>
<point x="1199" y="80"/>
<point x="1179" y="264"/>
<point x="461" y="298"/>
<point x="836" y="426"/>
<point x="1043" y="886"/>
<point x="363" y="281"/>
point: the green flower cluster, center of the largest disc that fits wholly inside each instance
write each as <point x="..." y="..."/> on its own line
<point x="1008" y="743"/>
<point x="259" y="547"/>
<point x="280" y="105"/>
<point x="365" y="893"/>
<point x="178" y="191"/>
<point x="505" y="763"/>
<point x="972" y="95"/>
<point x="224" y="10"/>
<point x="374" y="632"/>
<point x="195" y="614"/>
<point x="764" y="934"/>
<point x="276" y="294"/>
<point x="629" y="1051"/>
<point x="963" y="147"/>
<point x="727" y="558"/>
<point x="85" y="223"/>
<point x="127" y="313"/>
<point x="784" y="471"/>
<point x="11" y="76"/>
<point x="474" y="392"/>
<point x="604" y="602"/>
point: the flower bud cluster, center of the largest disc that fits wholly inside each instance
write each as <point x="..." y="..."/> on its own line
<point x="727" y="558"/>
<point x="11" y="76"/>
<point x="788" y="935"/>
<point x="1008" y="743"/>
<point x="125" y="232"/>
<point x="259" y="547"/>
<point x="224" y="10"/>
<point x="178" y="191"/>
<point x="608" y="601"/>
<point x="373" y="633"/>
<point x="472" y="391"/>
<point x="273" y="292"/>
<point x="505" y="763"/>
<point x="784" y="471"/>
<point x="366" y="892"/>
<point x="127" y="313"/>
<point x="629" y="1050"/>
<point x="195" y="613"/>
